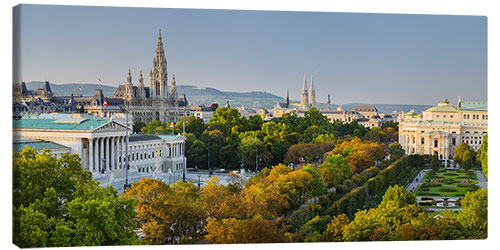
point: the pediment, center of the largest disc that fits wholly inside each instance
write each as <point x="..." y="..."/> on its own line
<point x="110" y="126"/>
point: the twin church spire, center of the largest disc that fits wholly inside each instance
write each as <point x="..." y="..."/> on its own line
<point x="308" y="98"/>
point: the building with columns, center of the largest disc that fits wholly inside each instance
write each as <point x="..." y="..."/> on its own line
<point x="101" y="145"/>
<point x="442" y="128"/>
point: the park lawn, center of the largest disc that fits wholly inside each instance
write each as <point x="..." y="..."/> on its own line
<point x="460" y="191"/>
<point x="452" y="174"/>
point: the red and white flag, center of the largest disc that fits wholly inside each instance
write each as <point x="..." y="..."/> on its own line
<point x="105" y="103"/>
<point x="100" y="80"/>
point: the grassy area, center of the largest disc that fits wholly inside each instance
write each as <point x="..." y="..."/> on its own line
<point x="451" y="183"/>
<point x="451" y="174"/>
<point x="440" y="191"/>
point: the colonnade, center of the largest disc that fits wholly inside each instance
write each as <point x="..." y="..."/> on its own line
<point x="106" y="153"/>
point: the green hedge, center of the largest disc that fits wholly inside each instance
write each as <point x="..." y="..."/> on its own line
<point x="396" y="173"/>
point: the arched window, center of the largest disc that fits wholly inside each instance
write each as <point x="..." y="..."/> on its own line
<point x="453" y="141"/>
<point x="436" y="143"/>
<point x="422" y="141"/>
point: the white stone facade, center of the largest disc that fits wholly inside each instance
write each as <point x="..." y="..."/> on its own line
<point x="442" y="128"/>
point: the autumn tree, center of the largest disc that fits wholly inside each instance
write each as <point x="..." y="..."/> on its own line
<point x="156" y="205"/>
<point x="253" y="230"/>
<point x="218" y="201"/>
<point x="334" y="229"/>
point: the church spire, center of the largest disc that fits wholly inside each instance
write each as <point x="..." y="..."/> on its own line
<point x="158" y="74"/>
<point x="304" y="102"/>
<point x="141" y="80"/>
<point x="129" y="78"/>
<point x="312" y="92"/>
<point x="287" y="98"/>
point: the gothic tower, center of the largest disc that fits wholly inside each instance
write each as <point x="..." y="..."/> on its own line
<point x="128" y="86"/>
<point x="158" y="74"/>
<point x="173" y="89"/>
<point x="303" y="102"/>
<point x="328" y="102"/>
<point x="287" y="99"/>
<point x="312" y="93"/>
<point x="141" y="92"/>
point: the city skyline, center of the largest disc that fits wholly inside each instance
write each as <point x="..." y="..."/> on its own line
<point x="369" y="58"/>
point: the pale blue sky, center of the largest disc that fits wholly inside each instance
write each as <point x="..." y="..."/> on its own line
<point x="369" y="58"/>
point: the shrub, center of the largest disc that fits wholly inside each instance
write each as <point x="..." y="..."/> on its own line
<point x="426" y="198"/>
<point x="429" y="194"/>
<point x="428" y="185"/>
<point x="448" y="189"/>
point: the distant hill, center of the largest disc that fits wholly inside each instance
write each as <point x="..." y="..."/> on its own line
<point x="68" y="88"/>
<point x="254" y="99"/>
<point x="389" y="108"/>
<point x="195" y="95"/>
<point x="204" y="95"/>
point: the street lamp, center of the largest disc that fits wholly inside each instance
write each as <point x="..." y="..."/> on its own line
<point x="209" y="169"/>
<point x="256" y="160"/>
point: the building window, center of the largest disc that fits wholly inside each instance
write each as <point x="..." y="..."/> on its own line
<point x="436" y="143"/>
<point x="453" y="141"/>
<point x="451" y="116"/>
<point x="422" y="141"/>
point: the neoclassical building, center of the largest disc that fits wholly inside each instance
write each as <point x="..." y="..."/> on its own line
<point x="443" y="127"/>
<point x="101" y="145"/>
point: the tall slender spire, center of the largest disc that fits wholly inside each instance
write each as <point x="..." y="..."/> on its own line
<point x="287" y="98"/>
<point x="173" y="89"/>
<point x="304" y="102"/>
<point x="158" y="74"/>
<point x="141" y="80"/>
<point x="129" y="78"/>
<point x="312" y="92"/>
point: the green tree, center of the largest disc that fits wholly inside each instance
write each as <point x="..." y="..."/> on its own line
<point x="396" y="150"/>
<point x="334" y="170"/>
<point x="138" y="125"/>
<point x="435" y="162"/>
<point x="56" y="203"/>
<point x="468" y="160"/>
<point x="459" y="152"/>
<point x="474" y="215"/>
<point x="482" y="156"/>
<point x="193" y="125"/>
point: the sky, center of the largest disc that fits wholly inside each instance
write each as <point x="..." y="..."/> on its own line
<point x="367" y="58"/>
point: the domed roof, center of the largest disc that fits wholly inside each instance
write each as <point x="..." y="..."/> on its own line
<point x="443" y="106"/>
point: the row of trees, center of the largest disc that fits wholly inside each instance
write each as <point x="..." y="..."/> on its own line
<point x="230" y="137"/>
